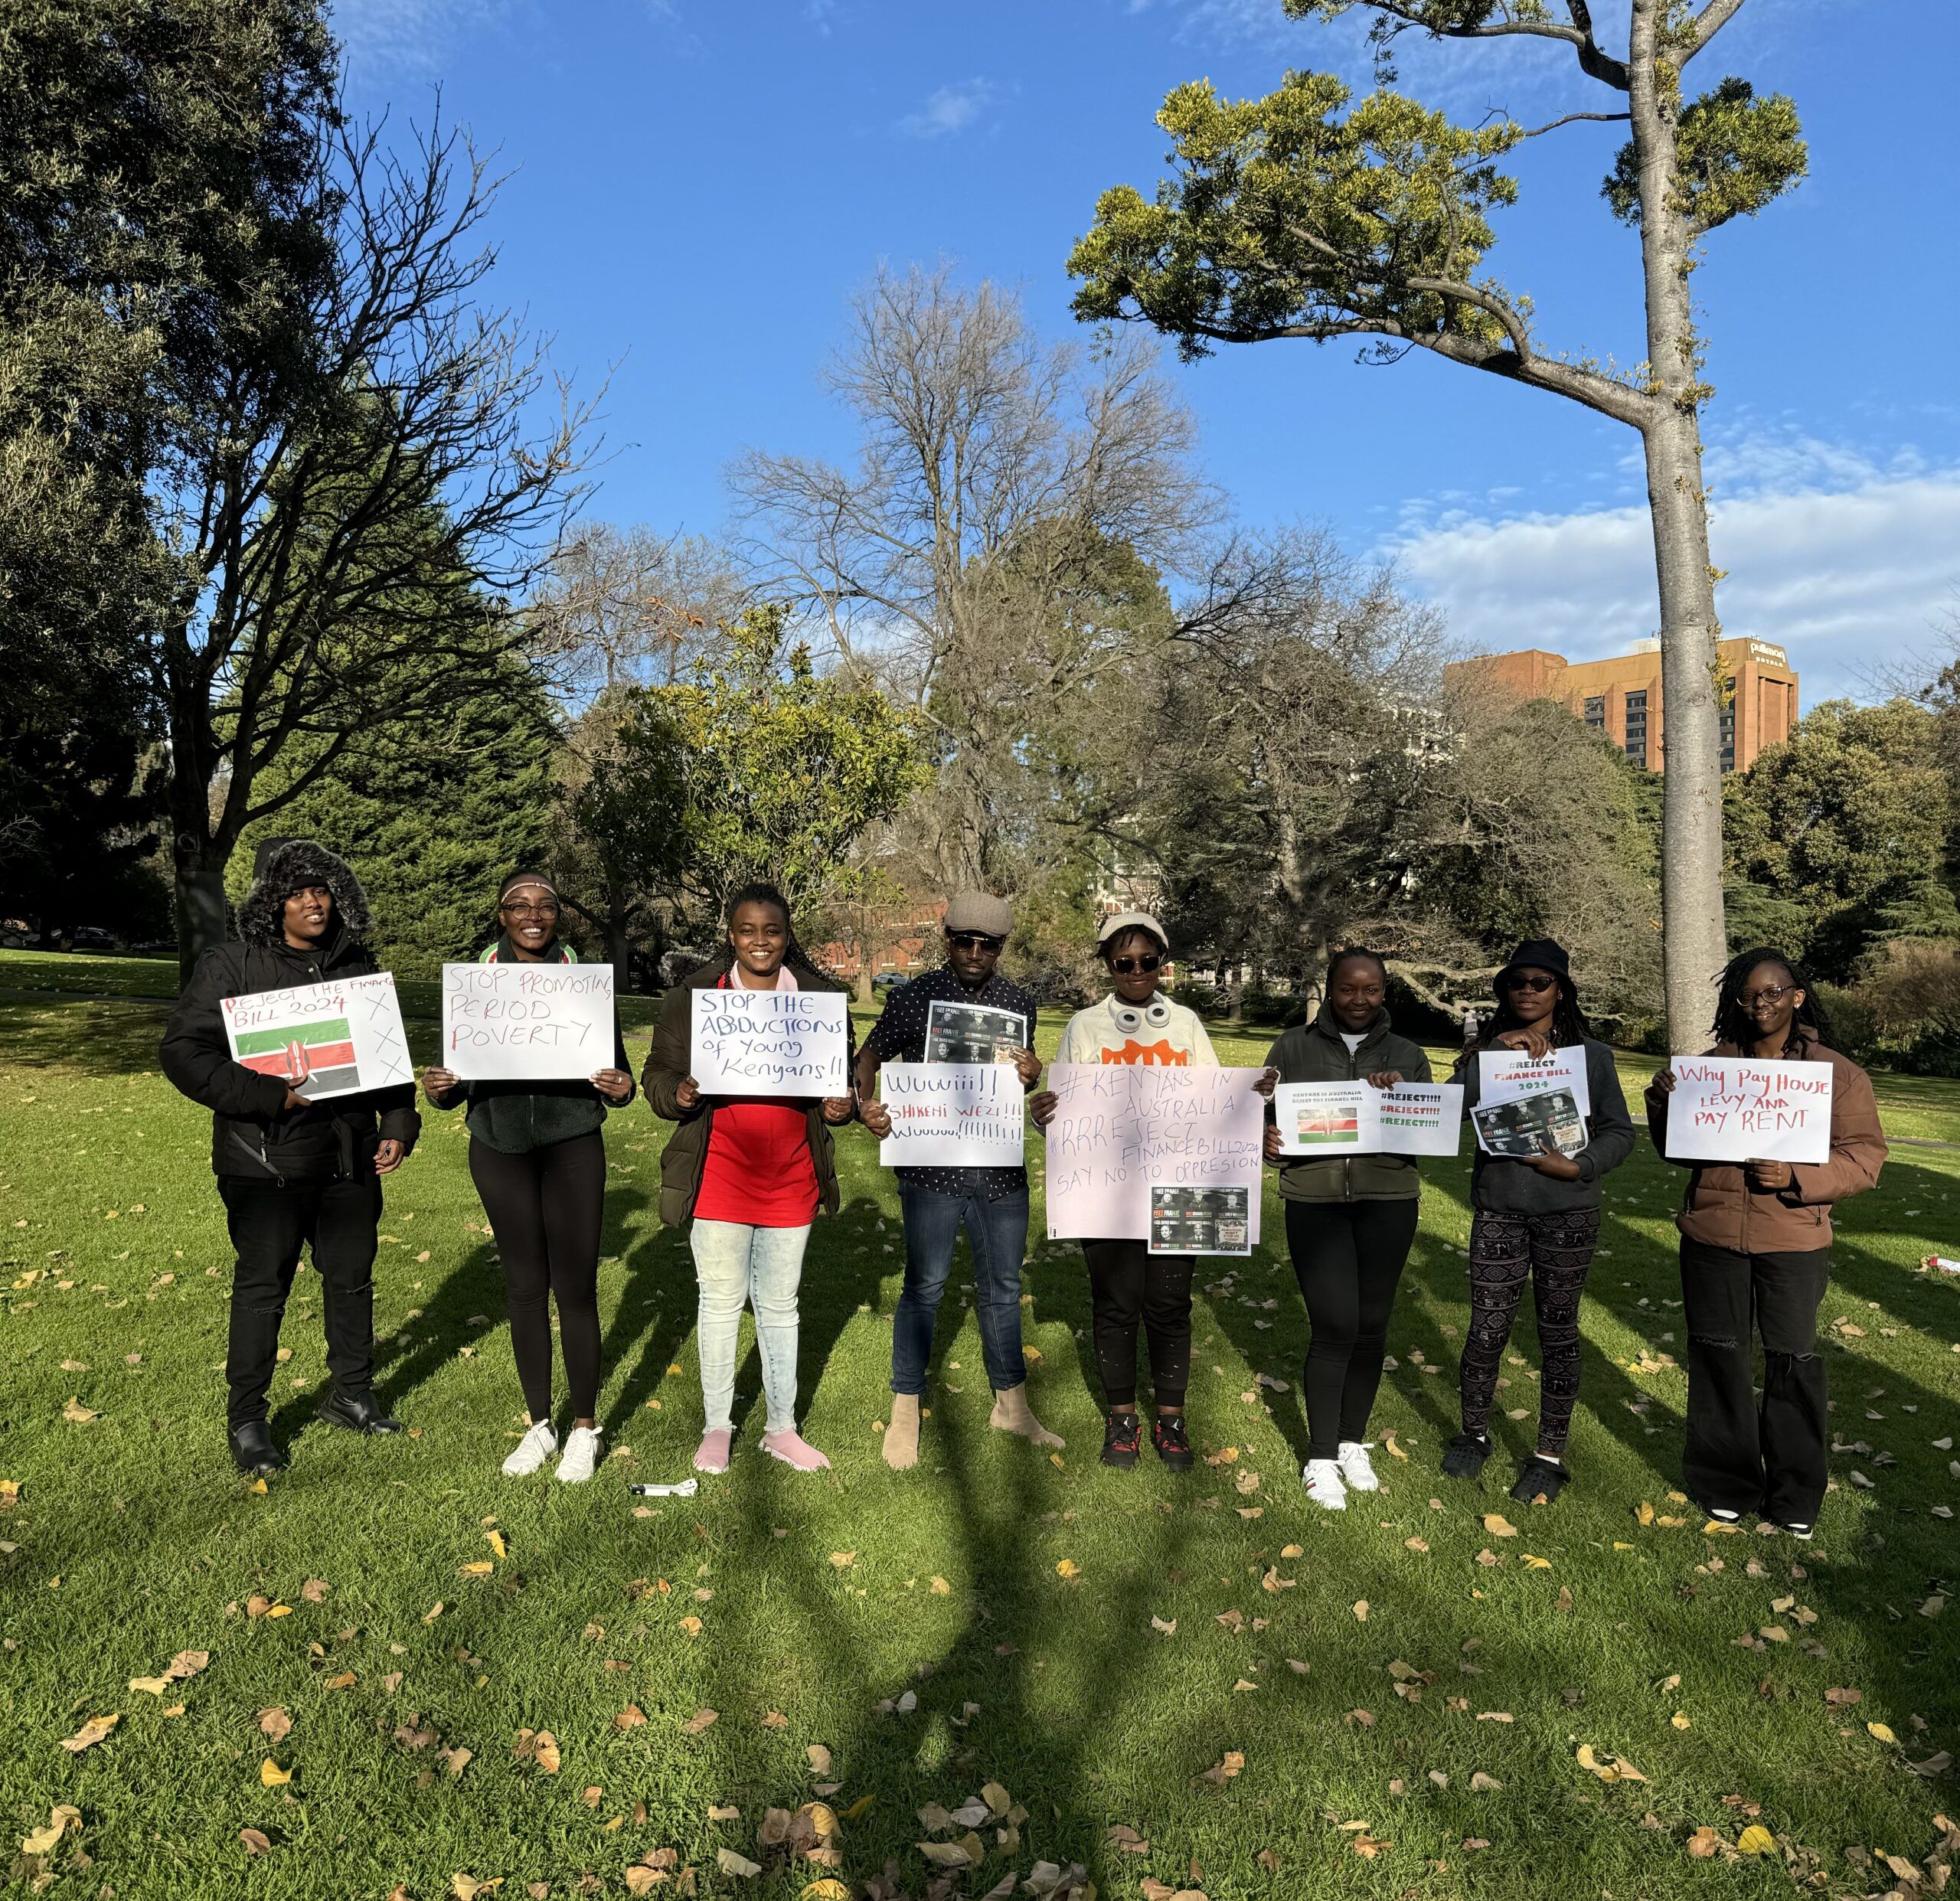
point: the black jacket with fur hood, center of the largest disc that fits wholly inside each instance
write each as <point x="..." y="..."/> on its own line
<point x="253" y="1135"/>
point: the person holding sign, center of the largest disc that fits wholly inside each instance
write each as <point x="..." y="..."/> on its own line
<point x="1128" y="1284"/>
<point x="1755" y="1258"/>
<point x="538" y="1161"/>
<point x="984" y="1019"/>
<point x="749" y="1173"/>
<point x="1535" y="1216"/>
<point x="1350" y="1220"/>
<point x="292" y="1174"/>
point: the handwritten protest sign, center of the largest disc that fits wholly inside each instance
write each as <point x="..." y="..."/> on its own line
<point x="1120" y="1129"/>
<point x="952" y="1115"/>
<point x="535" y="1023"/>
<point x="1505" y="1075"/>
<point x="770" y="1043"/>
<point x="1357" y="1118"/>
<point x="322" y="1040"/>
<point x="1737" y="1109"/>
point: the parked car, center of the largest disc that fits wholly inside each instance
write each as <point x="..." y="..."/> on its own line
<point x="15" y="934"/>
<point x="889" y="980"/>
<point x="91" y="937"/>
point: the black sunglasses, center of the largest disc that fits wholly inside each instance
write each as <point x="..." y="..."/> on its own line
<point x="1521" y="980"/>
<point x="973" y="940"/>
<point x="1129" y="966"/>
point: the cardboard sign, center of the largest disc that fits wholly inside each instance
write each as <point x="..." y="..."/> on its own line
<point x="322" y="1040"/>
<point x="1740" y="1109"/>
<point x="1200" y="1220"/>
<point x="952" y="1115"/>
<point x="1504" y="1075"/>
<point x="1357" y="1118"/>
<point x="1518" y="1129"/>
<point x="973" y="1032"/>
<point x="1121" y="1129"/>
<point x="791" y="1042"/>
<point x="532" y="1023"/>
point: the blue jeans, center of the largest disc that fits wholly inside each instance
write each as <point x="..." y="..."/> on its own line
<point x="736" y="1266"/>
<point x="997" y="1233"/>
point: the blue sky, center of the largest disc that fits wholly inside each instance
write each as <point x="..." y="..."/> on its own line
<point x="700" y="184"/>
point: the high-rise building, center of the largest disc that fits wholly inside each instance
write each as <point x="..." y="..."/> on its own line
<point x="1621" y="697"/>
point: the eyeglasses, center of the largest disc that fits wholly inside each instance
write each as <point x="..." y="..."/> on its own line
<point x="1129" y="966"/>
<point x="531" y="910"/>
<point x="1521" y="980"/>
<point x="973" y="941"/>
<point x="1769" y="993"/>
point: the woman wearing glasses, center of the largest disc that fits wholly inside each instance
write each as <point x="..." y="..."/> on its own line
<point x="539" y="1164"/>
<point x="1538" y="1217"/>
<point x="1127" y="1283"/>
<point x="1756" y="1258"/>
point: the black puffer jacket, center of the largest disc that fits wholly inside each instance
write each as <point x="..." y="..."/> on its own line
<point x="252" y="1133"/>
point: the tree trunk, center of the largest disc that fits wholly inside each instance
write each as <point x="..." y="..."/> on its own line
<point x="199" y="890"/>
<point x="1693" y="936"/>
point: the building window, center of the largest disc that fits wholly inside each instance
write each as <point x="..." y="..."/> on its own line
<point x="1595" y="711"/>
<point x="1728" y="720"/>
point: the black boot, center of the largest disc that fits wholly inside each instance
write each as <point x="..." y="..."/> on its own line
<point x="356" y="1412"/>
<point x="252" y="1450"/>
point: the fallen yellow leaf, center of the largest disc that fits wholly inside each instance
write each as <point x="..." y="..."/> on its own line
<point x="1882" y="1731"/>
<point x="1498" y="1526"/>
<point x="272" y="1775"/>
<point x="90" y="1733"/>
<point x="1068" y="1568"/>
<point x="1756" y="1840"/>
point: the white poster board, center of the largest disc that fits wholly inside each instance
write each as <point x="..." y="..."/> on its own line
<point x="1357" y="1118"/>
<point x="1503" y="1076"/>
<point x="785" y="1042"/>
<point x="1120" y="1129"/>
<point x="322" y="1040"/>
<point x="532" y="1023"/>
<point x="952" y="1115"/>
<point x="1739" y="1108"/>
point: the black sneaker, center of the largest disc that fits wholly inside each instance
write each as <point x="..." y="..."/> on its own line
<point x="1539" y="1478"/>
<point x="1167" y="1434"/>
<point x="1464" y="1456"/>
<point x="1122" y="1439"/>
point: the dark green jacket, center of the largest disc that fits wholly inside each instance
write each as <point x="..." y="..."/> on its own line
<point x="684" y="1159"/>
<point x="514" y="1118"/>
<point x="1314" y="1053"/>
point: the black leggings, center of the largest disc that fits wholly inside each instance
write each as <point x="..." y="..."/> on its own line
<point x="1128" y="1283"/>
<point x="545" y="1207"/>
<point x="1348" y="1257"/>
<point x="1555" y="1250"/>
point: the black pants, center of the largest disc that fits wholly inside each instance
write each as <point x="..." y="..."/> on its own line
<point x="1348" y="1257"/>
<point x="1741" y="1455"/>
<point x="546" y="1207"/>
<point x="1555" y="1250"/>
<point x="1127" y="1284"/>
<point x="270" y="1222"/>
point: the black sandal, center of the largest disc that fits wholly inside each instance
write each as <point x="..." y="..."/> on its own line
<point x="1538" y="1478"/>
<point x="1464" y="1456"/>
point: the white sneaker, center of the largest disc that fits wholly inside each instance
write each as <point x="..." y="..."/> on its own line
<point x="1356" y="1469"/>
<point x="531" y="1451"/>
<point x="1323" y="1487"/>
<point x="581" y="1455"/>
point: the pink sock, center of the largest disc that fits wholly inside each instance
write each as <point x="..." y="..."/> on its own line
<point x="712" y="1454"/>
<point x="793" y="1449"/>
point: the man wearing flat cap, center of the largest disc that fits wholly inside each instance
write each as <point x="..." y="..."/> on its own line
<point x="964" y="1012"/>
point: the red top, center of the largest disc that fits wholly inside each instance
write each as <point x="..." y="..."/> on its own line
<point x="759" y="1170"/>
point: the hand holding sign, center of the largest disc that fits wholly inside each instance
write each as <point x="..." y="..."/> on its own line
<point x="1746" y="1109"/>
<point x="773" y="1043"/>
<point x="527" y="1022"/>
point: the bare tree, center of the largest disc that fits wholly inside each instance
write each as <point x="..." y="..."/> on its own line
<point x="357" y="484"/>
<point x="998" y="478"/>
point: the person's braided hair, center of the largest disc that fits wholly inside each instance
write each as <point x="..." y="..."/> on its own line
<point x="802" y="966"/>
<point x="1732" y="1025"/>
<point x="1569" y="1023"/>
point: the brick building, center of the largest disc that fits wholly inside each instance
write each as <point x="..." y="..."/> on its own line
<point x="1621" y="697"/>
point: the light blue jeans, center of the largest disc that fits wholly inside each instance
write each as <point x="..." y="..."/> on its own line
<point x="737" y="1265"/>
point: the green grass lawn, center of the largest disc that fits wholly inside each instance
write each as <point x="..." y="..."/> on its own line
<point x="1408" y="1686"/>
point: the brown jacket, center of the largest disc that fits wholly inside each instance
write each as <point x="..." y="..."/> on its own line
<point x="684" y="1159"/>
<point x="1721" y="1209"/>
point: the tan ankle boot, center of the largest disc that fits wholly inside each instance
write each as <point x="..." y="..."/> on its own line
<point x="1012" y="1414"/>
<point x="901" y="1445"/>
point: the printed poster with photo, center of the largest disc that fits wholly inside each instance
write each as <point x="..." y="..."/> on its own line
<point x="1518" y="1129"/>
<point x="322" y="1040"/>
<point x="1200" y="1220"/>
<point x="973" y="1032"/>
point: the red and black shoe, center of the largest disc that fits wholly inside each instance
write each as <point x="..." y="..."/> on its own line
<point x="1122" y="1439"/>
<point x="1167" y="1435"/>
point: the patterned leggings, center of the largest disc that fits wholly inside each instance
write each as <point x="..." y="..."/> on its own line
<point x="1555" y="1250"/>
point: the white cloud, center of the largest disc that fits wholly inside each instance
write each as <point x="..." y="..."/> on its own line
<point x="952" y="109"/>
<point x="1850" y="575"/>
<point x="409" y="36"/>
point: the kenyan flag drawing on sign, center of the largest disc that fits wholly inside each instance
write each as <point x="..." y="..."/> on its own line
<point x="310" y="1058"/>
<point x="1322" y="1127"/>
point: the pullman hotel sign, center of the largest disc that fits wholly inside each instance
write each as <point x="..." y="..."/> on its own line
<point x="1766" y="655"/>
